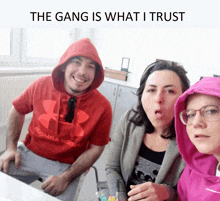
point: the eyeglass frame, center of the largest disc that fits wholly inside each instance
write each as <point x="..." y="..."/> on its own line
<point x="200" y="112"/>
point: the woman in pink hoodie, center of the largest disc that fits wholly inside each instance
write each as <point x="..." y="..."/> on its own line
<point x="197" y="122"/>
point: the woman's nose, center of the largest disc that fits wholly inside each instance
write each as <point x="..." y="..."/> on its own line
<point x="159" y="97"/>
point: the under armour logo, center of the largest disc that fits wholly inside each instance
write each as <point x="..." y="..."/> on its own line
<point x="48" y="106"/>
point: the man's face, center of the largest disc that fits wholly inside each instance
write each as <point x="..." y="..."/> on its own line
<point x="79" y="75"/>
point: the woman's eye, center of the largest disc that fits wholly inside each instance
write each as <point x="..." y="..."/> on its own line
<point x="151" y="90"/>
<point x="211" y="111"/>
<point x="190" y="115"/>
<point x="170" y="91"/>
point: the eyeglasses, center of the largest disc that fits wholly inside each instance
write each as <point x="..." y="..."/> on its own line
<point x="71" y="105"/>
<point x="208" y="112"/>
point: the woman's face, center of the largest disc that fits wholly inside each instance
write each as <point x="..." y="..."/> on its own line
<point x="161" y="91"/>
<point x="204" y="132"/>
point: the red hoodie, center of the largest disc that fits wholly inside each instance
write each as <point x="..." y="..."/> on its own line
<point x="49" y="135"/>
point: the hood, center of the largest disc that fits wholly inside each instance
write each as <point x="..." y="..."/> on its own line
<point x="82" y="47"/>
<point x="197" y="161"/>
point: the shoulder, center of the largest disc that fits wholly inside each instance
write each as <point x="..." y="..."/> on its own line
<point x="42" y="86"/>
<point x="42" y="81"/>
<point x="102" y="100"/>
<point x="173" y="141"/>
<point x="38" y="83"/>
<point x="187" y="171"/>
<point x="129" y="115"/>
<point x="172" y="148"/>
<point x="126" y="121"/>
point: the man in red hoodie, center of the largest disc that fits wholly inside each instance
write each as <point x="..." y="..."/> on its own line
<point x="70" y="124"/>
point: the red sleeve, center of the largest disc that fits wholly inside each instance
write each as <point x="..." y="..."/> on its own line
<point x="100" y="135"/>
<point x="24" y="102"/>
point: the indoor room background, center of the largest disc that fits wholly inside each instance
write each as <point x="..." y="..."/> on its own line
<point x="27" y="54"/>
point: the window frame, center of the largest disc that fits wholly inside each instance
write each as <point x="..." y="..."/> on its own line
<point x="37" y="60"/>
<point x="15" y="37"/>
<point x="18" y="59"/>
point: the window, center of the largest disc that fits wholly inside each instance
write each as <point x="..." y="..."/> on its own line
<point x="47" y="43"/>
<point x="33" y="46"/>
<point x="9" y="43"/>
<point x="5" y="41"/>
<point x="44" y="45"/>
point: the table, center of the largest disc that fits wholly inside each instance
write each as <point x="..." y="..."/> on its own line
<point x="12" y="189"/>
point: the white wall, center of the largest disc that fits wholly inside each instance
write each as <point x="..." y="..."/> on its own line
<point x="197" y="49"/>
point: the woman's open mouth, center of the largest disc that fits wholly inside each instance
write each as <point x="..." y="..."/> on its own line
<point x="158" y="113"/>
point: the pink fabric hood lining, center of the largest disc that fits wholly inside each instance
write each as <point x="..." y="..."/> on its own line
<point x="197" y="161"/>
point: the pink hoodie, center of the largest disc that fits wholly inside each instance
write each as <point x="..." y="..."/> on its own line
<point x="198" y="181"/>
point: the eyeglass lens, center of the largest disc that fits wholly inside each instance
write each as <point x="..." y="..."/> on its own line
<point x="209" y="112"/>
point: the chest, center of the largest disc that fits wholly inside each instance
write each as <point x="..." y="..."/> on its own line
<point x="155" y="142"/>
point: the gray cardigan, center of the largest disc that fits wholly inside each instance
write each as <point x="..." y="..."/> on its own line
<point x="123" y="151"/>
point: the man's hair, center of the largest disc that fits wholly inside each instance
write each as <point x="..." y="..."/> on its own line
<point x="140" y="116"/>
<point x="67" y="62"/>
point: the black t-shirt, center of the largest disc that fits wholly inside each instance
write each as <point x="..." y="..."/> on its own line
<point x="146" y="167"/>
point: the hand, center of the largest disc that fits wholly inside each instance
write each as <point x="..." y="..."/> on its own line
<point x="148" y="191"/>
<point x="9" y="155"/>
<point x="54" y="185"/>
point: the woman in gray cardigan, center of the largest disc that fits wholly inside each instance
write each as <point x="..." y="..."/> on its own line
<point x="143" y="155"/>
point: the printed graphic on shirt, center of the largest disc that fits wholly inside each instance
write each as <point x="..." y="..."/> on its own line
<point x="48" y="106"/>
<point x="144" y="171"/>
<point x="69" y="133"/>
<point x="147" y="166"/>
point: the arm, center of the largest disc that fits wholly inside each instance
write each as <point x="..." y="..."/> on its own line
<point x="98" y="139"/>
<point x="16" y="121"/>
<point x="113" y="163"/>
<point x="57" y="184"/>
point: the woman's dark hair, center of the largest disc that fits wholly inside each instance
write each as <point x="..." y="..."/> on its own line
<point x="141" y="118"/>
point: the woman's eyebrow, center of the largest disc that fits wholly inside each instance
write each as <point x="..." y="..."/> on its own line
<point x="151" y="85"/>
<point x="169" y="85"/>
